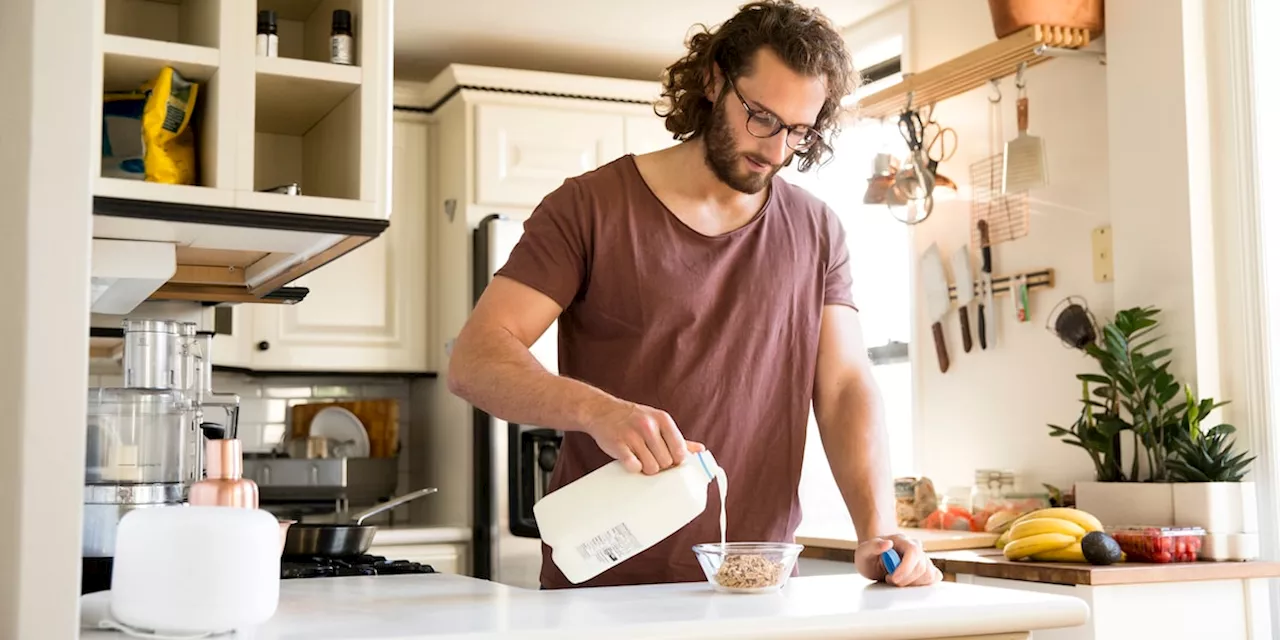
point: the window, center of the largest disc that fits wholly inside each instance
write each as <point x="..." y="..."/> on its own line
<point x="881" y="262"/>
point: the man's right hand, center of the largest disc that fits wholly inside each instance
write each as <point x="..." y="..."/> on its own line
<point x="644" y="439"/>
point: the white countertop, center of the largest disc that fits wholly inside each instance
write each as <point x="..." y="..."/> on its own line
<point x="442" y="606"/>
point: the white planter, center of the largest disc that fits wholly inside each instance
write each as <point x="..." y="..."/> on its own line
<point x="1119" y="504"/>
<point x="1218" y="507"/>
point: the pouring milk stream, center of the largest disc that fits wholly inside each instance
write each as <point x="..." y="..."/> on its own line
<point x="611" y="514"/>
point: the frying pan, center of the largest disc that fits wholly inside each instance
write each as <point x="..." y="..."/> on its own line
<point x="341" y="540"/>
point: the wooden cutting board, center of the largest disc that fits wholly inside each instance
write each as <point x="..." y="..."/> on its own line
<point x="381" y="419"/>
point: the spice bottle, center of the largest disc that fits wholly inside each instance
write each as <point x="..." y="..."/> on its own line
<point x="268" y="37"/>
<point x="341" y="42"/>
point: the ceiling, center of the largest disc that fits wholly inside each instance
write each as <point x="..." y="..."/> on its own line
<point x="617" y="38"/>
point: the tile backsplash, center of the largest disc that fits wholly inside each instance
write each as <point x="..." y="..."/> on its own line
<point x="265" y="402"/>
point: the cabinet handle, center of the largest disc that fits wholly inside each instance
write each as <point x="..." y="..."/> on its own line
<point x="264" y="345"/>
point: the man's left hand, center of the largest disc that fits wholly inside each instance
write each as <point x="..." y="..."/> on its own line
<point x="915" y="570"/>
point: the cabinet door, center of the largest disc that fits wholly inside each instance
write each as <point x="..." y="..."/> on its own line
<point x="646" y="134"/>
<point x="366" y="311"/>
<point x="524" y="153"/>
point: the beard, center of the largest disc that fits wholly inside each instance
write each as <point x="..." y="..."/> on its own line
<point x="725" y="160"/>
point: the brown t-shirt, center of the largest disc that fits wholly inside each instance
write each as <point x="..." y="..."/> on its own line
<point x="721" y="332"/>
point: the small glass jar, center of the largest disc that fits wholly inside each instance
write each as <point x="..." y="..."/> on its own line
<point x="990" y="488"/>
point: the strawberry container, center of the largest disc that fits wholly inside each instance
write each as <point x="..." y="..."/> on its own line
<point x="1159" y="544"/>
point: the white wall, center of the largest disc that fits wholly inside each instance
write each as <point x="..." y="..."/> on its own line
<point x="991" y="408"/>
<point x="46" y="153"/>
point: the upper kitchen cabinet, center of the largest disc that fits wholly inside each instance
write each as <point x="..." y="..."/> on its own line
<point x="524" y="132"/>
<point x="259" y="120"/>
<point x="369" y="311"/>
<point x="524" y="152"/>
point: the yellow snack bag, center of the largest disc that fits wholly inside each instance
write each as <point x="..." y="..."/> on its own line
<point x="168" y="142"/>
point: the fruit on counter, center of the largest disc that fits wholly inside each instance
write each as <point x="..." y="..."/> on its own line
<point x="1000" y="521"/>
<point x="1070" y="553"/>
<point x="1051" y="535"/>
<point x="952" y="517"/>
<point x="1083" y="518"/>
<point x="1024" y="548"/>
<point x="1035" y="526"/>
<point x="1002" y="540"/>
<point x="1100" y="548"/>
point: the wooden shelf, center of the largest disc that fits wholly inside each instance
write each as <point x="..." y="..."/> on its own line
<point x="293" y="95"/>
<point x="160" y="192"/>
<point x="972" y="70"/>
<point x="129" y="62"/>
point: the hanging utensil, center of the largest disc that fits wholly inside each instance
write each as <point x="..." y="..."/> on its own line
<point x="964" y="292"/>
<point x="934" y="279"/>
<point x="1025" y="165"/>
<point x="987" y="304"/>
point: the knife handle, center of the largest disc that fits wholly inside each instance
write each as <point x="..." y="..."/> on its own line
<point x="982" y="326"/>
<point x="964" y="329"/>
<point x="941" y="344"/>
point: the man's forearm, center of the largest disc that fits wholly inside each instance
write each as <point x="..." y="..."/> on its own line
<point x="857" y="447"/>
<point x="492" y="370"/>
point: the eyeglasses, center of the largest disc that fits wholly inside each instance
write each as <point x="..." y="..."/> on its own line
<point x="764" y="124"/>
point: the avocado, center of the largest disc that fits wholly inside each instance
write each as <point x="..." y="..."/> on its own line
<point x="1100" y="548"/>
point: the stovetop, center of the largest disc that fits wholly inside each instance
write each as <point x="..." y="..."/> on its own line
<point x="366" y="565"/>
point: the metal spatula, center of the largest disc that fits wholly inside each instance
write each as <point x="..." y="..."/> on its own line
<point x="1025" y="166"/>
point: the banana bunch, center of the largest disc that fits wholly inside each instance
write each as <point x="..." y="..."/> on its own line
<point x="1048" y="535"/>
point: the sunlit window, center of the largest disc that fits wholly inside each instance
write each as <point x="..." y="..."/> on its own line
<point x="880" y="256"/>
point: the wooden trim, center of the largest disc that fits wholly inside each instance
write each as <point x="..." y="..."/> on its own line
<point x="991" y="564"/>
<point x="205" y="275"/>
<point x="343" y="247"/>
<point x="971" y="70"/>
<point x="209" y="293"/>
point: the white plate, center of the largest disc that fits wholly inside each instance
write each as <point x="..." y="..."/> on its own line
<point x="336" y="423"/>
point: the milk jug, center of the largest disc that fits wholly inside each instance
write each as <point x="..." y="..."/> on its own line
<point x="611" y="514"/>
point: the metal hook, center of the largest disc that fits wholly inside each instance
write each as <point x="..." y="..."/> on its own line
<point x="995" y="86"/>
<point x="1022" y="68"/>
<point x="911" y="97"/>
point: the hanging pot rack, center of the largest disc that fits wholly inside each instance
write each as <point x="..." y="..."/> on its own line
<point x="1024" y="48"/>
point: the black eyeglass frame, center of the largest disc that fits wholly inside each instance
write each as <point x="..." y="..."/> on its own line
<point x="754" y="115"/>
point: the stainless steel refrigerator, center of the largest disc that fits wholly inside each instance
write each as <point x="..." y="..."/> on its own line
<point x="512" y="462"/>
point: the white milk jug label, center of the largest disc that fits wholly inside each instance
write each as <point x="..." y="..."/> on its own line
<point x="610" y="547"/>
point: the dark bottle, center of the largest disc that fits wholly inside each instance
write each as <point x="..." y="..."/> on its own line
<point x="341" y="42"/>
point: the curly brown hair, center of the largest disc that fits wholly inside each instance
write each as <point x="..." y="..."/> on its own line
<point x="803" y="38"/>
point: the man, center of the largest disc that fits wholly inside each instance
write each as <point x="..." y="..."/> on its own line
<point x="699" y="295"/>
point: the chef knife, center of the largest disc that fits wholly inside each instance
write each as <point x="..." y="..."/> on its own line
<point x="986" y="306"/>
<point x="964" y="292"/>
<point x="934" y="279"/>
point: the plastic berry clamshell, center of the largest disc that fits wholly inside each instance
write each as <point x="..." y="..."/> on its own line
<point x="1159" y="544"/>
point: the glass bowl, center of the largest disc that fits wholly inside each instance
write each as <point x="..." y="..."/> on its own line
<point x="747" y="567"/>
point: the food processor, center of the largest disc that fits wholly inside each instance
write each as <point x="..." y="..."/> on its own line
<point x="145" y="439"/>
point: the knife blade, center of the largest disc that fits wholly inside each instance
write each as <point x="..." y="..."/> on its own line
<point x="964" y="292"/>
<point x="986" y="305"/>
<point x="938" y="299"/>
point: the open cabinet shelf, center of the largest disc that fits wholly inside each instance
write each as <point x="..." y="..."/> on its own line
<point x="1001" y="58"/>
<point x="258" y="123"/>
<point x="130" y="62"/>
<point x="293" y="95"/>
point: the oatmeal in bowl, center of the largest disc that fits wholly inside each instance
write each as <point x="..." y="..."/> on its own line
<point x="747" y="567"/>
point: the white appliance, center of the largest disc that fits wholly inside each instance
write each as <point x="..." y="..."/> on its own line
<point x="512" y="463"/>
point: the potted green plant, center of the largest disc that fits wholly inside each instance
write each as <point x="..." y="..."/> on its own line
<point x="1154" y="464"/>
<point x="1209" y="489"/>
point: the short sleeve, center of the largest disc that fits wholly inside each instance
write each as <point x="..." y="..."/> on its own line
<point x="551" y="255"/>
<point x="839" y="276"/>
